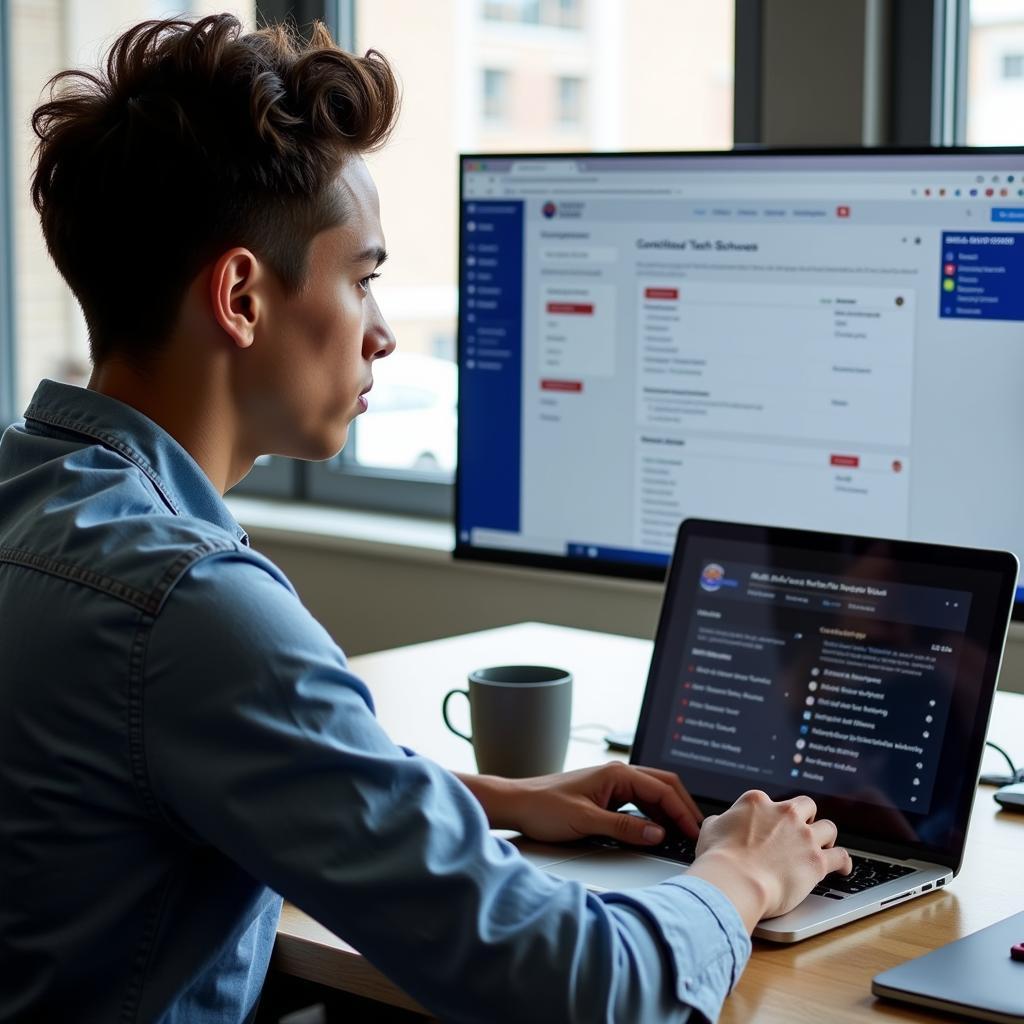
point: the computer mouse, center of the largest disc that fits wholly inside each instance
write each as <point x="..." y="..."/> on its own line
<point x="620" y="740"/>
<point x="1011" y="798"/>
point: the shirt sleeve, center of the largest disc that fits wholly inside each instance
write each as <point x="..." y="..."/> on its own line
<point x="261" y="743"/>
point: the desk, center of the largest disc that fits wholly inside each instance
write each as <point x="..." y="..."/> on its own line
<point x="827" y="978"/>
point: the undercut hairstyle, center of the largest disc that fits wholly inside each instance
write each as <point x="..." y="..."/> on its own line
<point x="195" y="137"/>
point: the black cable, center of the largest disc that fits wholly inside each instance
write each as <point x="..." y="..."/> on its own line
<point x="994" y="779"/>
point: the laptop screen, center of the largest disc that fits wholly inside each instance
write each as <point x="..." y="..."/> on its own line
<point x="857" y="671"/>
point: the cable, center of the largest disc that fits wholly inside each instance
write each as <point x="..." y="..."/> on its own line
<point x="597" y="741"/>
<point x="994" y="779"/>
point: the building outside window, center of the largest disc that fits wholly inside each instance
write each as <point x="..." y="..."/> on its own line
<point x="495" y="99"/>
<point x="570" y="101"/>
<point x="490" y="76"/>
<point x="1013" y="65"/>
<point x="995" y="73"/>
<point x="555" y="13"/>
<point x="570" y="13"/>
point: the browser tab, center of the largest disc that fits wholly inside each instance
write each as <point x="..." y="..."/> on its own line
<point x="539" y="168"/>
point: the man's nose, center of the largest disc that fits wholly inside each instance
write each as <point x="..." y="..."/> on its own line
<point x="378" y="341"/>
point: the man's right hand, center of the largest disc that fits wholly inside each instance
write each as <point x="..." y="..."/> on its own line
<point x="766" y="856"/>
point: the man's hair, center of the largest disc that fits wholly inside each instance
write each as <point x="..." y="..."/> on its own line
<point x="193" y="138"/>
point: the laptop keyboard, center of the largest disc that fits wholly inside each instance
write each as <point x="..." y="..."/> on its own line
<point x="866" y="874"/>
<point x="672" y="847"/>
<point x="676" y="847"/>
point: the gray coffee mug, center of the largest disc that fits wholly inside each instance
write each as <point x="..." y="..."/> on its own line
<point x="520" y="718"/>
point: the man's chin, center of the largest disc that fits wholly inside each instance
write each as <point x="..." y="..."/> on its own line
<point x="329" y="446"/>
<point x="316" y="449"/>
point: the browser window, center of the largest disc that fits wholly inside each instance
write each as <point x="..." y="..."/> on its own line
<point x="826" y="342"/>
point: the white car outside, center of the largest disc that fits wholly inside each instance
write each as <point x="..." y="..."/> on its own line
<point x="411" y="419"/>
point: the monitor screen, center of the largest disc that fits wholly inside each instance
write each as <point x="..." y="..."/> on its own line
<point x="822" y="341"/>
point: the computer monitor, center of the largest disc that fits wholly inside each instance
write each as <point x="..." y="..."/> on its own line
<point x="823" y="340"/>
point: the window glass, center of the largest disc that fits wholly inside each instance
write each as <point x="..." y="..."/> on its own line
<point x="46" y="37"/>
<point x="570" y="101"/>
<point x="517" y="75"/>
<point x="995" y="73"/>
<point x="495" y="95"/>
<point x="410" y="423"/>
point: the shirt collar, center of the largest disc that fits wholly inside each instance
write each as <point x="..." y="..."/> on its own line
<point x="184" y="487"/>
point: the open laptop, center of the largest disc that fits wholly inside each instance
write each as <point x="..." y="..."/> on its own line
<point x="858" y="671"/>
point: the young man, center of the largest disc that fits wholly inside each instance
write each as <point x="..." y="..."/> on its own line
<point x="181" y="741"/>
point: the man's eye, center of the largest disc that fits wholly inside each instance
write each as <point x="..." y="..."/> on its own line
<point x="364" y="283"/>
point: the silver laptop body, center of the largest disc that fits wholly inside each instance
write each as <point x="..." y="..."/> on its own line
<point x="603" y="869"/>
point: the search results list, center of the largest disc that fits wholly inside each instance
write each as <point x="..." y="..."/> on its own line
<point x="796" y="678"/>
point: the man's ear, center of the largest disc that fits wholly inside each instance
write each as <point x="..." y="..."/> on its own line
<point x="236" y="296"/>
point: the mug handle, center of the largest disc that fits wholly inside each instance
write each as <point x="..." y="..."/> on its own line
<point x="444" y="713"/>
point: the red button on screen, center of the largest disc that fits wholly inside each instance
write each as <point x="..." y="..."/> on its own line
<point x="561" y="385"/>
<point x="851" y="461"/>
<point x="578" y="308"/>
<point x="661" y="293"/>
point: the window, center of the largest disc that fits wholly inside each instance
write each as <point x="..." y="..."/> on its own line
<point x="502" y="75"/>
<point x="495" y="98"/>
<point x="570" y="101"/>
<point x="1013" y="65"/>
<point x="570" y="13"/>
<point x="555" y="13"/>
<point x="478" y="75"/>
<point x="995" y="73"/>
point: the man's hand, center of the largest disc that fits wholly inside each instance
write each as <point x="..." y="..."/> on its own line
<point x="766" y="856"/>
<point x="557" y="808"/>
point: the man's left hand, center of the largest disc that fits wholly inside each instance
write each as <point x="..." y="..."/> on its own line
<point x="570" y="805"/>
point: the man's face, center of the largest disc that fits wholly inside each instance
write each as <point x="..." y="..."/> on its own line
<point x="319" y="344"/>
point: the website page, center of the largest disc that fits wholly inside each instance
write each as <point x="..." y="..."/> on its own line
<point x="826" y="343"/>
<point x="818" y="689"/>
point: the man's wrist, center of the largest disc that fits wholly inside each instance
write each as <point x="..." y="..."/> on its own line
<point x="496" y="796"/>
<point x="738" y="881"/>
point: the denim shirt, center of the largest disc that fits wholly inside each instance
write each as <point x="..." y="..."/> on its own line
<point x="181" y="742"/>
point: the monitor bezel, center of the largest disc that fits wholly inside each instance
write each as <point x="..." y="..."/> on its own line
<point x="625" y="569"/>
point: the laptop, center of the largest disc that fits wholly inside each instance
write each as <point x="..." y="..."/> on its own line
<point x="856" y="670"/>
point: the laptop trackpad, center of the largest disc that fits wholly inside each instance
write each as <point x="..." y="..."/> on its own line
<point x="614" y="869"/>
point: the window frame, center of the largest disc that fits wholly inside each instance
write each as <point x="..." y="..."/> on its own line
<point x="7" y="294"/>
<point x="951" y="41"/>
<point x="280" y="478"/>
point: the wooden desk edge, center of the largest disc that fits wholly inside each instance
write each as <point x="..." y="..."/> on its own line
<point x="305" y="949"/>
